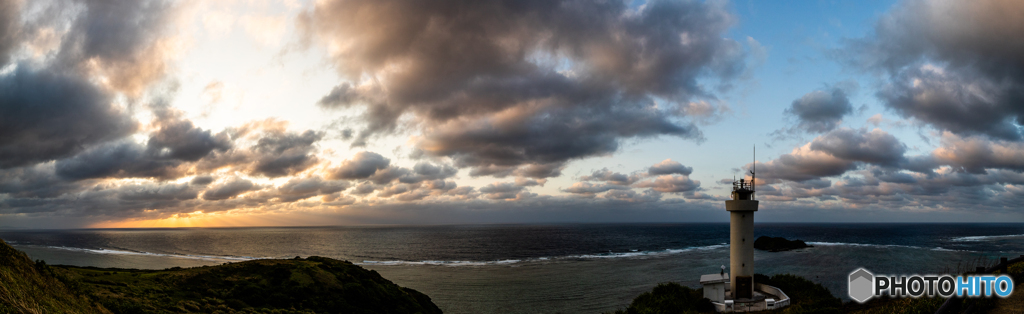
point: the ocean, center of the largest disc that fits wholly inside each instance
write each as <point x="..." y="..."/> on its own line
<point x="562" y="268"/>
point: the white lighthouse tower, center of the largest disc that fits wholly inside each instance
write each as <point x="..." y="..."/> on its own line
<point x="741" y="238"/>
<point x="736" y="290"/>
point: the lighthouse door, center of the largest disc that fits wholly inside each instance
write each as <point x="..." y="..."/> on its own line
<point x="744" y="287"/>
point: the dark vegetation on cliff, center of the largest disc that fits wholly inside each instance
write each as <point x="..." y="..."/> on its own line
<point x="34" y="287"/>
<point x="778" y="244"/>
<point x="809" y="297"/>
<point x="310" y="285"/>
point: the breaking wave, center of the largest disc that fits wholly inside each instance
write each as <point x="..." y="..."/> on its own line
<point x="987" y="238"/>
<point x="938" y="248"/>
<point x="609" y="255"/>
<point x="140" y="253"/>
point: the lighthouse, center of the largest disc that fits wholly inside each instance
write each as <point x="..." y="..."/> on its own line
<point x="741" y="210"/>
<point x="736" y="290"/>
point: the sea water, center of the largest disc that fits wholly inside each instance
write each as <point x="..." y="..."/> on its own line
<point x="573" y="268"/>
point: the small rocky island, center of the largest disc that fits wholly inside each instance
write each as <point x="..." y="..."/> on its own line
<point x="778" y="244"/>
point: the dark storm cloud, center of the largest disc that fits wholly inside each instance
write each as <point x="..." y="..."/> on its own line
<point x="37" y="182"/>
<point x="56" y="109"/>
<point x="666" y="176"/>
<point x="821" y="110"/>
<point x="487" y="84"/>
<point x="166" y="155"/>
<point x="610" y="177"/>
<point x="834" y="153"/>
<point x="261" y="148"/>
<point x="302" y="188"/>
<point x="976" y="154"/>
<point x="361" y="166"/>
<point x="123" y="159"/>
<point x="426" y="172"/>
<point x="202" y="180"/>
<point x="183" y="140"/>
<point x="892" y="189"/>
<point x="46" y="115"/>
<point x="953" y="64"/>
<point x="285" y="153"/>
<point x="801" y="165"/>
<point x="502" y="191"/>
<point x="229" y="189"/>
<point x="542" y="140"/>
<point x="960" y="102"/>
<point x="363" y="189"/>
<point x="157" y="192"/>
<point x="876" y="146"/>
<point x="669" y="166"/>
<point x="122" y="37"/>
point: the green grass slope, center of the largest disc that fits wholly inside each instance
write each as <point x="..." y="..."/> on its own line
<point x="311" y="285"/>
<point x="28" y="287"/>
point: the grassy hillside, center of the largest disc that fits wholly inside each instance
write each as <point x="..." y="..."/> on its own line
<point x="28" y="287"/>
<point x="311" y="285"/>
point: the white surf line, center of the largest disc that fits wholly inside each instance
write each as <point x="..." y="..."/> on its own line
<point x="632" y="253"/>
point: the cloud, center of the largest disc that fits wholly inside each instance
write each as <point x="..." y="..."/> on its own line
<point x="123" y="159"/>
<point x="802" y="164"/>
<point x="976" y="154"/>
<point x="670" y="184"/>
<point x="157" y="192"/>
<point x="45" y="115"/>
<point x="958" y="101"/>
<point x="610" y="177"/>
<point x="521" y="181"/>
<point x="875" y="146"/>
<point x="668" y="166"/>
<point x="303" y="188"/>
<point x="498" y="86"/>
<point x="503" y="191"/>
<point x="633" y="197"/>
<point x="285" y="153"/>
<point x="179" y="139"/>
<point x="954" y="65"/>
<point x="363" y="189"/>
<point x="35" y="182"/>
<point x="58" y="106"/>
<point x="821" y="110"/>
<point x="361" y="166"/>
<point x="274" y="151"/>
<point x="202" y="180"/>
<point x="123" y="41"/>
<point x="9" y="28"/>
<point x="229" y="189"/>
<point x="588" y="188"/>
<point x="834" y="153"/>
<point x="425" y="172"/>
<point x="666" y="176"/>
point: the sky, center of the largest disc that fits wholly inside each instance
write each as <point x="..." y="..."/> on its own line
<point x="137" y="114"/>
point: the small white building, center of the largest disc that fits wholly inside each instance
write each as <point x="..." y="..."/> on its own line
<point x="714" y="286"/>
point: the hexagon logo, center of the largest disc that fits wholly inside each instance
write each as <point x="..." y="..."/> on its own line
<point x="860" y="286"/>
